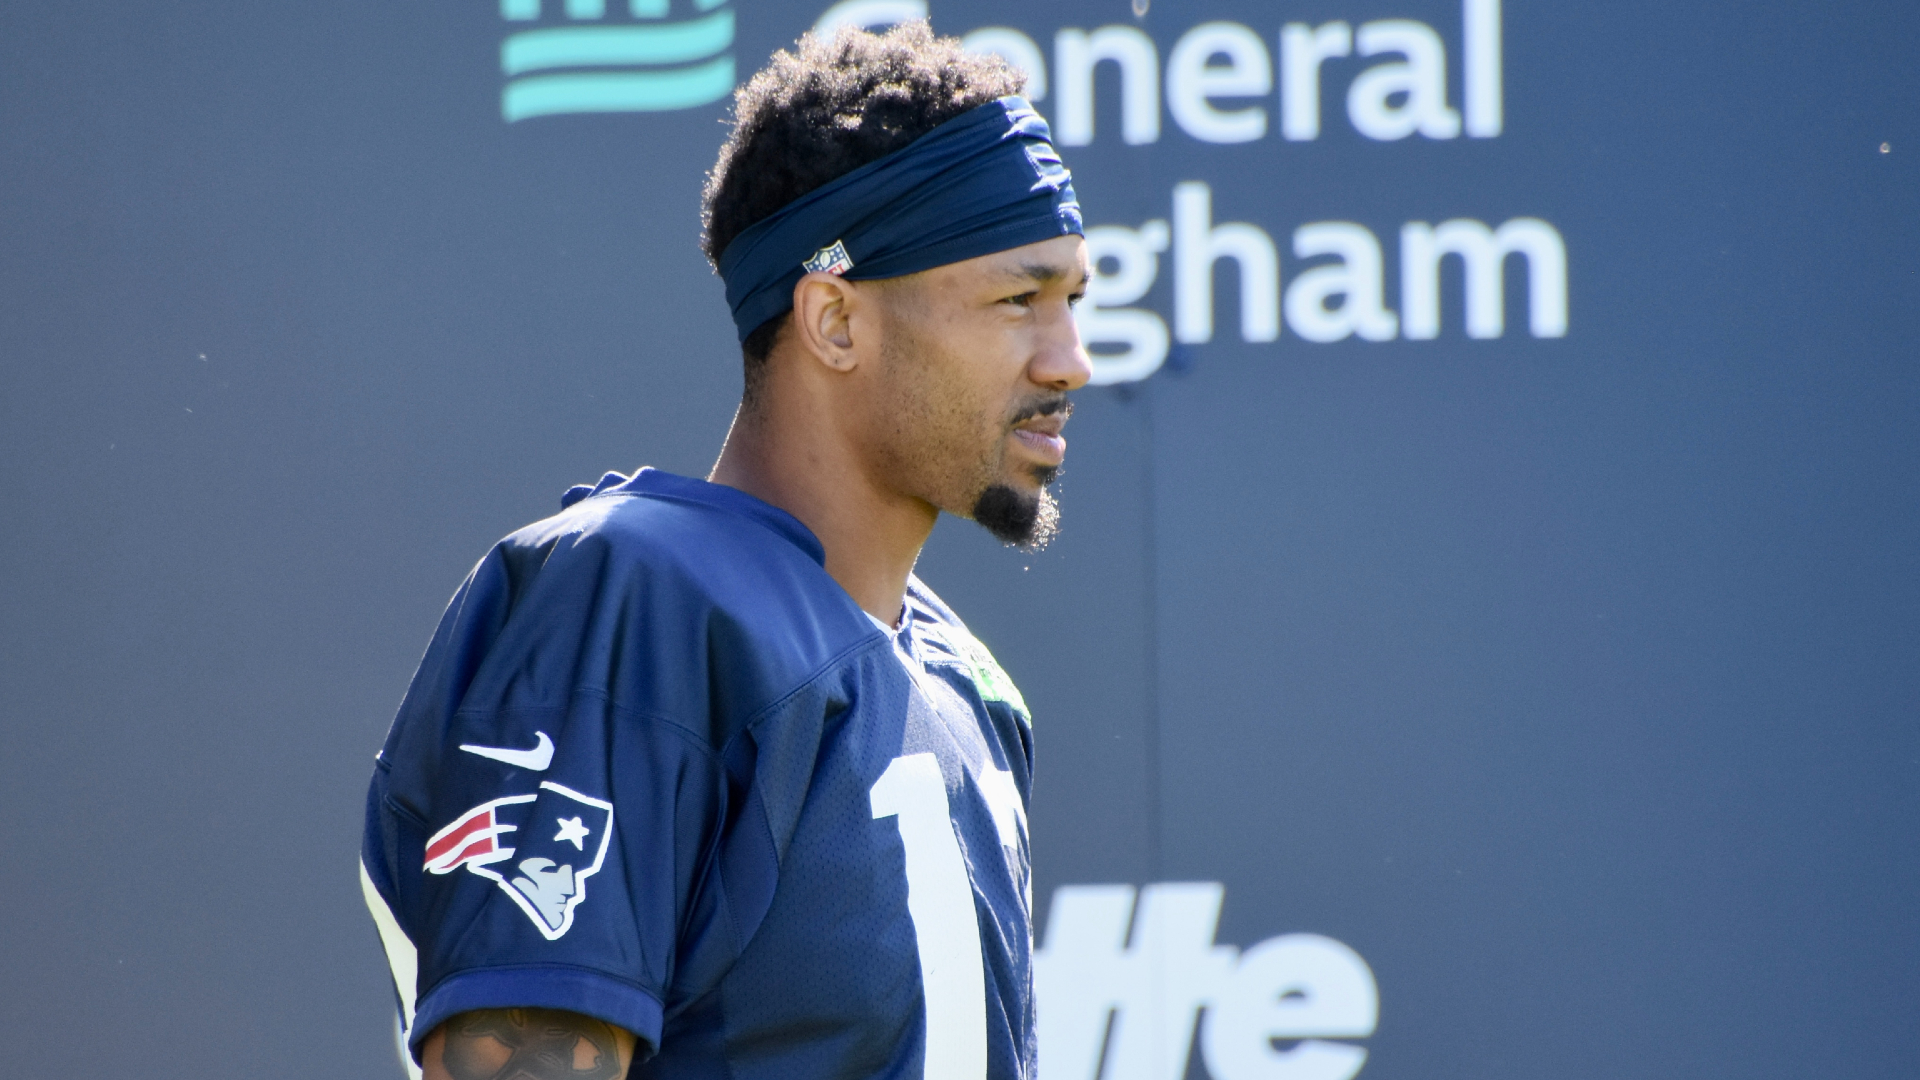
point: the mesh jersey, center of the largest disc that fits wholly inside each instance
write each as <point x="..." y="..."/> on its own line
<point x="658" y="768"/>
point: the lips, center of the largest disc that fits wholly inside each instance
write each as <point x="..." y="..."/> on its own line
<point x="1041" y="436"/>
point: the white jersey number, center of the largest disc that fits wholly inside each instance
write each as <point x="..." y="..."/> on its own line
<point x="945" y="927"/>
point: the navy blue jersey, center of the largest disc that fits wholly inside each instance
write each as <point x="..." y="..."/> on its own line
<point x="658" y="768"/>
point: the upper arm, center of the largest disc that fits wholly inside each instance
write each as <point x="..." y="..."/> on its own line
<point x="536" y="844"/>
<point x="526" y="1044"/>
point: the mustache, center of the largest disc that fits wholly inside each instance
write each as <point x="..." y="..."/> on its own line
<point x="1043" y="407"/>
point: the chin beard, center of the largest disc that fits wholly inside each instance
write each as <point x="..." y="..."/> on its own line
<point x="1026" y="520"/>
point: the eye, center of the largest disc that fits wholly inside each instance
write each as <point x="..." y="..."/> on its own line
<point x="1074" y="300"/>
<point x="1025" y="299"/>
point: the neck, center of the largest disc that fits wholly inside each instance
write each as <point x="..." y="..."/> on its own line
<point x="782" y="453"/>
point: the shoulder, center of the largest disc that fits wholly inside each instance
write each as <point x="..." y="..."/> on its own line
<point x="946" y="632"/>
<point x="673" y="598"/>
<point x="679" y="543"/>
<point x="701" y="549"/>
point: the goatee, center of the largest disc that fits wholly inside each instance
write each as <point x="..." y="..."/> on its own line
<point x="1026" y="520"/>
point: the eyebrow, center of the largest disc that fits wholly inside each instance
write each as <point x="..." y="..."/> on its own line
<point x="1044" y="273"/>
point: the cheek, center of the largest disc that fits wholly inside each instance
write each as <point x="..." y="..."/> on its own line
<point x="977" y="401"/>
<point x="955" y="426"/>
<point x="951" y="381"/>
<point x="965" y="415"/>
<point x="987" y="369"/>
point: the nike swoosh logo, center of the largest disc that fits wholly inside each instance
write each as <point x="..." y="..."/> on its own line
<point x="536" y="759"/>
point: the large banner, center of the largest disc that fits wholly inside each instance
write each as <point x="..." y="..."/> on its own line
<point x="1481" y="644"/>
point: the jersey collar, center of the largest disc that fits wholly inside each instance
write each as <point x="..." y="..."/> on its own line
<point x="658" y="484"/>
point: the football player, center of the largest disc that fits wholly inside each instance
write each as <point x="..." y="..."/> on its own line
<point x="696" y="779"/>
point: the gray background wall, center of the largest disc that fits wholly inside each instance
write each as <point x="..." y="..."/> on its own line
<point x="1570" y="681"/>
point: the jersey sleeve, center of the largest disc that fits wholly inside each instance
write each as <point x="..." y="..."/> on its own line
<point x="534" y="843"/>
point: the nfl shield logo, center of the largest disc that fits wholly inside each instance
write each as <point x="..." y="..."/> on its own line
<point x="832" y="259"/>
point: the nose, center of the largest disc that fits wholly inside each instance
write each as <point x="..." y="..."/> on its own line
<point x="1061" y="362"/>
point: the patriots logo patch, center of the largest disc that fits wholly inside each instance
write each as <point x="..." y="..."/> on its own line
<point x="540" y="849"/>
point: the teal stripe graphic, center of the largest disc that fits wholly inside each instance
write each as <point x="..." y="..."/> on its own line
<point x="618" y="91"/>
<point x="616" y="46"/>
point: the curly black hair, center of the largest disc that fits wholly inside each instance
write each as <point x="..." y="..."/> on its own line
<point x="825" y="109"/>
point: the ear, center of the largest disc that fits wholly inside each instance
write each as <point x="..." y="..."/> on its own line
<point x="823" y="313"/>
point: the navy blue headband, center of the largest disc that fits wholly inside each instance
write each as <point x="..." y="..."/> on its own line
<point x="985" y="181"/>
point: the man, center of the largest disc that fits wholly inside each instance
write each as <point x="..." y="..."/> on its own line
<point x="696" y="779"/>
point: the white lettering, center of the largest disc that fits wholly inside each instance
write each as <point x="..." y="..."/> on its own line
<point x="1480" y="27"/>
<point x="1154" y="983"/>
<point x="1300" y="986"/>
<point x="1193" y="79"/>
<point x="1197" y="245"/>
<point x="1081" y="974"/>
<point x="1104" y="315"/>
<point x="1483" y="252"/>
<point x="1421" y="79"/>
<point x="1015" y="48"/>
<point x="1169" y="970"/>
<point x="1075" y="55"/>
<point x="1178" y="969"/>
<point x="1302" y="48"/>
<point x="1356" y="279"/>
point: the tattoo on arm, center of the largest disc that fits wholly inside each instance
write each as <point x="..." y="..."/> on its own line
<point x="527" y="1044"/>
